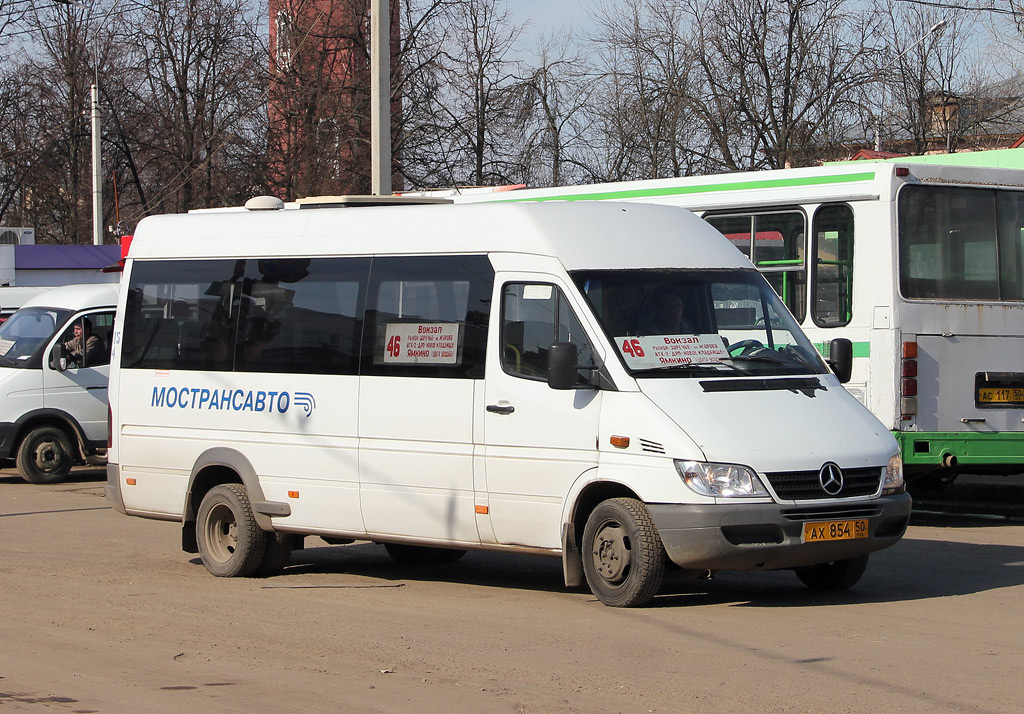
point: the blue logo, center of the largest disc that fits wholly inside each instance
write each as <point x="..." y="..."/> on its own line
<point x="306" y="402"/>
<point x="238" y="400"/>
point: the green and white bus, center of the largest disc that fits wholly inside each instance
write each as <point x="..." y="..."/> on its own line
<point x="920" y="265"/>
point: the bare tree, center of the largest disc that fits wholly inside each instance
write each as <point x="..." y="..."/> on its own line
<point x="554" y="96"/>
<point x="782" y="73"/>
<point x="476" y="107"/>
<point x="649" y="117"/>
<point x="204" y="75"/>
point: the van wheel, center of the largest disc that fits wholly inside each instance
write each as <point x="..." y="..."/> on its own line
<point x="837" y="575"/>
<point x="231" y="543"/>
<point x="412" y="554"/>
<point x="623" y="557"/>
<point x="277" y="553"/>
<point x="45" y="455"/>
<point x="449" y="555"/>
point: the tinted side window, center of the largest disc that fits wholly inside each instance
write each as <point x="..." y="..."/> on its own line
<point x="533" y="317"/>
<point x="182" y="314"/>
<point x="302" y="315"/>
<point x="426" y="316"/>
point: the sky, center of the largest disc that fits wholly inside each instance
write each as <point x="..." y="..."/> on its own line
<point x="546" y="17"/>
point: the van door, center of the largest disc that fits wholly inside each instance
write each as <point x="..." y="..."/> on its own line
<point x="422" y="366"/>
<point x="81" y="389"/>
<point x="538" y="440"/>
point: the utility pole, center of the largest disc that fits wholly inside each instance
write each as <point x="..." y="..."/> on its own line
<point x="380" y="97"/>
<point x="97" y="170"/>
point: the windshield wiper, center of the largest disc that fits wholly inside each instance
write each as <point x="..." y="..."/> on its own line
<point x="702" y="367"/>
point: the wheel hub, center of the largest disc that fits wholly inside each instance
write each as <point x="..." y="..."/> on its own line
<point x="612" y="556"/>
<point x="47" y="455"/>
<point x="222" y="532"/>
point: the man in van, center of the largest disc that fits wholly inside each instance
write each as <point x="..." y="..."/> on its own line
<point x="84" y="348"/>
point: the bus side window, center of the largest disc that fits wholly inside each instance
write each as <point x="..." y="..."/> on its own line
<point x="774" y="242"/>
<point x="832" y="279"/>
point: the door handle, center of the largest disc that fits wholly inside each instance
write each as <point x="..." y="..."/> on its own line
<point x="497" y="409"/>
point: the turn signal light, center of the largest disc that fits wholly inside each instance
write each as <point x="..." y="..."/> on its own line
<point x="620" y="442"/>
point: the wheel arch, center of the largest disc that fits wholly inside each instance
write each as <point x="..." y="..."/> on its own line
<point x="216" y="466"/>
<point x="50" y="417"/>
<point x="583" y="505"/>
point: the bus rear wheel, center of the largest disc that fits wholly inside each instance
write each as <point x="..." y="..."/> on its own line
<point x="230" y="541"/>
<point x="45" y="455"/>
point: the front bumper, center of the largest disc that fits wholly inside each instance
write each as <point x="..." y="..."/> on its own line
<point x="768" y="536"/>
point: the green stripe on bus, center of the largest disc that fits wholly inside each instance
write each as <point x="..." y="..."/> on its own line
<point x="860" y="349"/>
<point x="703" y="188"/>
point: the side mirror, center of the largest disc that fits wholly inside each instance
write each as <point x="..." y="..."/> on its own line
<point x="58" y="362"/>
<point x="563" y="369"/>
<point x="840" y="358"/>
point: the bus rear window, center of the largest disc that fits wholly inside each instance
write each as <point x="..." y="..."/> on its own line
<point x="960" y="243"/>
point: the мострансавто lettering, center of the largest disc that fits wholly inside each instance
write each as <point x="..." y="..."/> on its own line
<point x="221" y="399"/>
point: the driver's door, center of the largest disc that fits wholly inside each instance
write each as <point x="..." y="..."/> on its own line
<point x="538" y="440"/>
<point x="81" y="390"/>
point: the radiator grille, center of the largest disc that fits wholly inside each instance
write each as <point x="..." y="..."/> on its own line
<point x="805" y="485"/>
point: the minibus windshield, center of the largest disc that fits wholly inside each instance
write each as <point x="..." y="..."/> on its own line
<point x="26" y="330"/>
<point x="698" y="323"/>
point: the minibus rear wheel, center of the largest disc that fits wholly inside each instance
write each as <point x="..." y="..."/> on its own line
<point x="277" y="553"/>
<point x="230" y="541"/>
<point x="45" y="455"/>
<point x="623" y="557"/>
<point x="837" y="575"/>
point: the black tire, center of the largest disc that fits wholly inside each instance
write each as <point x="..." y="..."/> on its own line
<point x="45" y="455"/>
<point x="449" y="555"/>
<point x="231" y="543"/>
<point x="412" y="554"/>
<point x="837" y="575"/>
<point x="623" y="556"/>
<point x="277" y="553"/>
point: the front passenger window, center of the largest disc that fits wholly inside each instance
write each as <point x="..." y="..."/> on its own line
<point x="535" y="316"/>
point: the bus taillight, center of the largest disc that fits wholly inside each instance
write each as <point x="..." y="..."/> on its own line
<point x="908" y="381"/>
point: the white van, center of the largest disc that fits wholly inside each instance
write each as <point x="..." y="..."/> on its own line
<point x="612" y="384"/>
<point x="12" y="298"/>
<point x="53" y="401"/>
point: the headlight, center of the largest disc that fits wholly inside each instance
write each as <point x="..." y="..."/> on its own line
<point x="720" y="480"/>
<point x="893" y="482"/>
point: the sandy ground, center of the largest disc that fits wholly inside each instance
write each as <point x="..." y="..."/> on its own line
<point x="104" y="613"/>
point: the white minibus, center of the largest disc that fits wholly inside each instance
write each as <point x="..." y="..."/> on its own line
<point x="921" y="266"/>
<point x="612" y="384"/>
<point x="53" y="398"/>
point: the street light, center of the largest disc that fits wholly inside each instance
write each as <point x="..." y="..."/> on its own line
<point x="937" y="27"/>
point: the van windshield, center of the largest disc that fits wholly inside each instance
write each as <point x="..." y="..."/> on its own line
<point x="698" y="323"/>
<point x="26" y="331"/>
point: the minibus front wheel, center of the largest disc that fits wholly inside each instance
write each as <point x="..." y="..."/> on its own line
<point x="623" y="557"/>
<point x="230" y="541"/>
